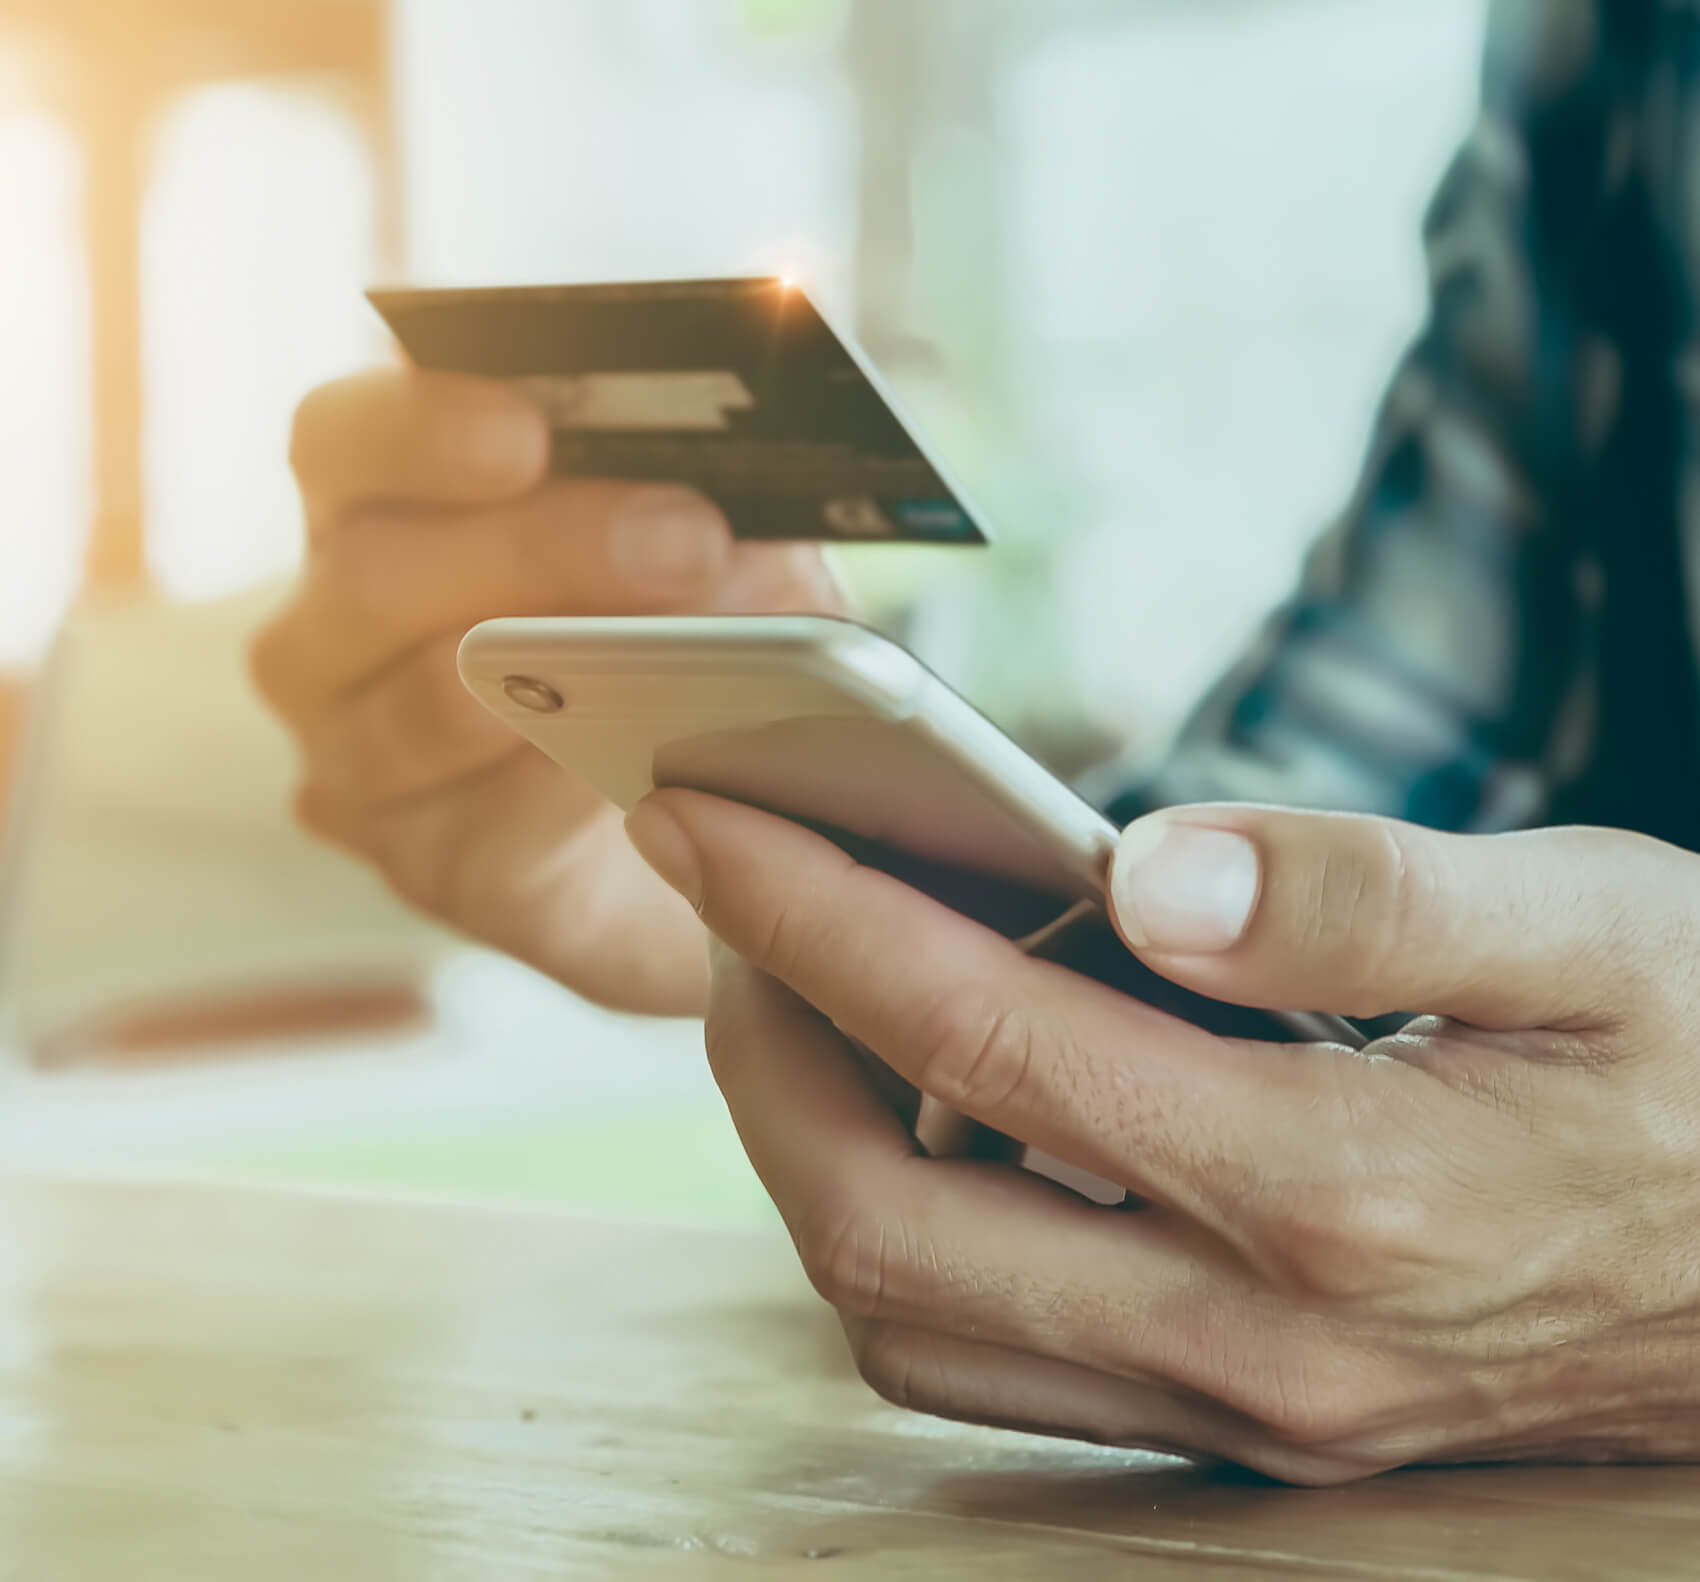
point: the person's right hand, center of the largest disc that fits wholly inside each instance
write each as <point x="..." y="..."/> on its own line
<point x="1473" y="1240"/>
<point x="429" y="509"/>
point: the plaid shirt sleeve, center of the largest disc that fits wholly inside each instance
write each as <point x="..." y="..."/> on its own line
<point x="1436" y="661"/>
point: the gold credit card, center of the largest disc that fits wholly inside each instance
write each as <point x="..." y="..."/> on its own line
<point x="739" y="388"/>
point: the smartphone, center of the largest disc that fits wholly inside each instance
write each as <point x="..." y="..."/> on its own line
<point x="824" y="722"/>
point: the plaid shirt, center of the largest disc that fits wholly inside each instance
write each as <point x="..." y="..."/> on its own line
<point x="1498" y="631"/>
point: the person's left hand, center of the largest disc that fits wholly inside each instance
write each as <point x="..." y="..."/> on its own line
<point x="1476" y="1240"/>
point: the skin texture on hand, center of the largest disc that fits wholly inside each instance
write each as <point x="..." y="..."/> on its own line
<point x="1476" y="1240"/>
<point x="430" y="509"/>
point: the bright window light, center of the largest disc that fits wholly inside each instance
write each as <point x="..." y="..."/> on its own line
<point x="45" y="388"/>
<point x="257" y="241"/>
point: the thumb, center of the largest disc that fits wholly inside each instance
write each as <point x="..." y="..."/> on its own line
<point x="1366" y="917"/>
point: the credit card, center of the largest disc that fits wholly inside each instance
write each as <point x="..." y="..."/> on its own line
<point x="738" y="388"/>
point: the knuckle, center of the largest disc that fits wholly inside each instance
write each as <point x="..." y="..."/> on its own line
<point x="272" y="666"/>
<point x="847" y="1256"/>
<point x="1645" y="947"/>
<point x="1311" y="1406"/>
<point x="976" y="1051"/>
<point x="264" y="664"/>
<point x="430" y="869"/>
<point x="419" y="854"/>
<point x="314" y="812"/>
<point x="1317" y="1412"/>
<point x="786" y="943"/>
<point x="412" y="883"/>
<point x="1349" y="1244"/>
<point x="420" y="878"/>
<point x="798" y="932"/>
<point x="1370" y="894"/>
<point x="307" y="425"/>
<point x="1304" y="1398"/>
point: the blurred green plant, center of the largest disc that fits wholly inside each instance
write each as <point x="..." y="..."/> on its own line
<point x="792" y="18"/>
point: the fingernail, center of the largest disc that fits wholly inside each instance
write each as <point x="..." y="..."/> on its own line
<point x="1183" y="889"/>
<point x="669" y="539"/>
<point x="506" y="441"/>
<point x="662" y="842"/>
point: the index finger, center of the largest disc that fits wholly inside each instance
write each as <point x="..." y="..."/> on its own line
<point x="413" y="434"/>
<point x="1063" y="1063"/>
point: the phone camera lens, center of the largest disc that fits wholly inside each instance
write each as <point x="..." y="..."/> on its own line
<point x="530" y="693"/>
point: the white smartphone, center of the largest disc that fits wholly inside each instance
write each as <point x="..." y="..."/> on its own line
<point x="827" y="723"/>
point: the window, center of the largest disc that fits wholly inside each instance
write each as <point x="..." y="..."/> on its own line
<point x="258" y="239"/>
<point x="45" y="427"/>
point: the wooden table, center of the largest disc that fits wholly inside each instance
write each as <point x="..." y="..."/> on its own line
<point x="202" y="1382"/>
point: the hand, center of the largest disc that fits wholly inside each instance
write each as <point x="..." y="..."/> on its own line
<point x="429" y="510"/>
<point x="1476" y="1240"/>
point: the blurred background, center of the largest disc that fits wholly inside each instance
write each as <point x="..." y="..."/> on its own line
<point x="1139" y="268"/>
